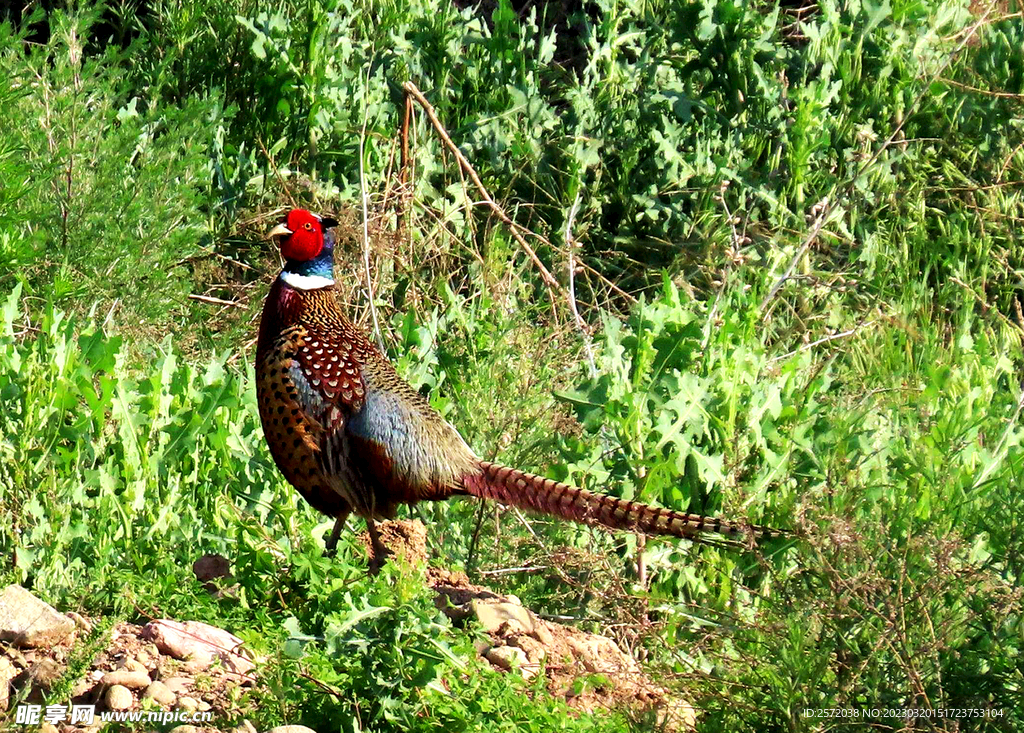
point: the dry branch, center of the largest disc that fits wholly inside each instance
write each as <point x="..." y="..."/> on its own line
<point x="513" y="228"/>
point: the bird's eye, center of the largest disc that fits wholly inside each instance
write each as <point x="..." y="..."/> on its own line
<point x="308" y="227"/>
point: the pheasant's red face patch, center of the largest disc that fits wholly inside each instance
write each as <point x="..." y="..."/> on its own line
<point x="307" y="237"/>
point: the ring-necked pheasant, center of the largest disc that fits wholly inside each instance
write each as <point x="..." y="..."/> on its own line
<point x="352" y="436"/>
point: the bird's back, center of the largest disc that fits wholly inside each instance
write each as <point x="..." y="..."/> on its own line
<point x="339" y="418"/>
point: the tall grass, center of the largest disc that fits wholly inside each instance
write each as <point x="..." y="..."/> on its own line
<point x="796" y="236"/>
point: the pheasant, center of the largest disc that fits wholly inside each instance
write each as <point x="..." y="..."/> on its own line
<point x="352" y="436"/>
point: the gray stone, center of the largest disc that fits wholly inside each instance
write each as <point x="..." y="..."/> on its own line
<point x="27" y="621"/>
<point x="542" y="633"/>
<point x="178" y="685"/>
<point x="508" y="658"/>
<point x="119" y="697"/>
<point x="159" y="692"/>
<point x="198" y="642"/>
<point x="133" y="665"/>
<point x="127" y="678"/>
<point x="291" y="729"/>
<point x="7" y="673"/>
<point x="494" y="616"/>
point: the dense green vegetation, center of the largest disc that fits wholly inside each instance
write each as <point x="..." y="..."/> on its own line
<point x="797" y="269"/>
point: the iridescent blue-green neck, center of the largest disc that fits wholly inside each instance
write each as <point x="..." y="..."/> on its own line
<point x="311" y="274"/>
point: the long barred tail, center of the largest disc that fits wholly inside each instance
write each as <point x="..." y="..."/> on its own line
<point x="535" y="493"/>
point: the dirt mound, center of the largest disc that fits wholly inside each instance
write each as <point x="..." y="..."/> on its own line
<point x="588" y="671"/>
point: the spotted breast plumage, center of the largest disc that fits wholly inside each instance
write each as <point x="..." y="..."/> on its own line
<point x="352" y="436"/>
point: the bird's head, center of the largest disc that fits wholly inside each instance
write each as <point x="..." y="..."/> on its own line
<point x="301" y="235"/>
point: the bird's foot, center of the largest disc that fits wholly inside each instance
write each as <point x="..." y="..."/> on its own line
<point x="379" y="559"/>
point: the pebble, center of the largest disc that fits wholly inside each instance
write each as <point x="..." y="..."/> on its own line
<point x="543" y="634"/>
<point x="133" y="665"/>
<point x="178" y="684"/>
<point x="132" y="679"/>
<point x="187" y="704"/>
<point x="496" y="616"/>
<point x="508" y="657"/>
<point x="160" y="692"/>
<point x="119" y="697"/>
<point x="291" y="729"/>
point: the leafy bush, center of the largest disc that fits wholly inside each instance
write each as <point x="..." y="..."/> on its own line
<point x="795" y="234"/>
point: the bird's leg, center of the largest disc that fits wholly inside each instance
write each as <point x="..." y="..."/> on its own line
<point x="378" y="552"/>
<point x="332" y="541"/>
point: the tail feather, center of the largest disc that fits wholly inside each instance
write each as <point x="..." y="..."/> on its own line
<point x="538" y="494"/>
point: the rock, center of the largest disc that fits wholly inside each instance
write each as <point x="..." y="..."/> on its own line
<point x="187" y="704"/>
<point x="178" y="685"/>
<point x="204" y="706"/>
<point x="535" y="651"/>
<point x="27" y="621"/>
<point x="193" y="666"/>
<point x="602" y="655"/>
<point x="126" y="678"/>
<point x="186" y="729"/>
<point x="144" y="659"/>
<point x="244" y="727"/>
<point x="80" y="621"/>
<point x="676" y="715"/>
<point x="543" y="634"/>
<point x="45" y="672"/>
<point x="17" y="657"/>
<point x="159" y="692"/>
<point x="291" y="729"/>
<point x="494" y="616"/>
<point x="7" y="673"/>
<point x="119" y="697"/>
<point x="133" y="665"/>
<point x="47" y="728"/>
<point x="509" y="658"/>
<point x="199" y="642"/>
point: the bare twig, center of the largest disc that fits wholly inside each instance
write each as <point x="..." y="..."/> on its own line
<point x="509" y="571"/>
<point x="366" y="228"/>
<point x="824" y="208"/>
<point x="571" y="244"/>
<point x="546" y="275"/>
<point x="821" y="341"/>
<point x="212" y="300"/>
<point x="277" y="172"/>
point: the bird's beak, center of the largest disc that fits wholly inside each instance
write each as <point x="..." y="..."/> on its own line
<point x="279" y="231"/>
